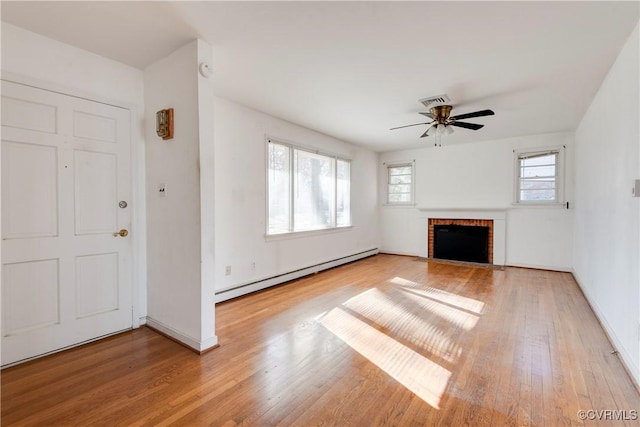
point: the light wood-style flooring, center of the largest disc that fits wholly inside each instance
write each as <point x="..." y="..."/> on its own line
<point x="388" y="340"/>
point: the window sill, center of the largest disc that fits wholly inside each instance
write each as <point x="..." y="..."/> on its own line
<point x="533" y="205"/>
<point x="303" y="234"/>
<point x="399" y="205"/>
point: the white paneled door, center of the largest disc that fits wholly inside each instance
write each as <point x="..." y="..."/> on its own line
<point x="66" y="190"/>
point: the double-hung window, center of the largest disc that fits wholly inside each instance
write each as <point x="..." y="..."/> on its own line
<point x="400" y="179"/>
<point x="539" y="178"/>
<point x="307" y="190"/>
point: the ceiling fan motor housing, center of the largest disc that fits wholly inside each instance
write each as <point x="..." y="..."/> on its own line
<point x="441" y="113"/>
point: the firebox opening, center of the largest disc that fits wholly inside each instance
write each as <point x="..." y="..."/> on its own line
<point x="461" y="243"/>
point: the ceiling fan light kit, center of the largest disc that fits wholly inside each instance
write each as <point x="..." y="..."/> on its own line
<point x="442" y="121"/>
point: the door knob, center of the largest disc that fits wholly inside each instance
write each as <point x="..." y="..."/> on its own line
<point x="121" y="233"/>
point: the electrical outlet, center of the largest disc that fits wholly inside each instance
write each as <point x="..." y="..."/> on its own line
<point x="227" y="270"/>
<point x="162" y="190"/>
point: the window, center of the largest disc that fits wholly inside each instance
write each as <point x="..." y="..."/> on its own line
<point x="400" y="184"/>
<point x="538" y="177"/>
<point x="307" y="190"/>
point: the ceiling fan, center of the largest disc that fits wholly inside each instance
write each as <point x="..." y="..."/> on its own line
<point x="441" y="120"/>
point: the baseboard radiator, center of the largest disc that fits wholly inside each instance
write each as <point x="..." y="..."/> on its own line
<point x="246" y="288"/>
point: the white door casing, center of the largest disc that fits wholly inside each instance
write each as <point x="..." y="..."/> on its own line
<point x="66" y="278"/>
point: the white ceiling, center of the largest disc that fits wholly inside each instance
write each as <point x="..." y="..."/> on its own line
<point x="353" y="70"/>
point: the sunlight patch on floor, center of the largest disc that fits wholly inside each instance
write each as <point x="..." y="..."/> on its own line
<point x="458" y="301"/>
<point x="395" y="316"/>
<point x="421" y="376"/>
<point x="460" y="318"/>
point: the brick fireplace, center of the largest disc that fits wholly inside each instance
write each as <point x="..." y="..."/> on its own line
<point x="460" y="222"/>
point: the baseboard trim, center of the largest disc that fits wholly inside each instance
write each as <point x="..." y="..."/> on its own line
<point x="191" y="343"/>
<point x="625" y="357"/>
<point x="497" y="266"/>
<point x="540" y="267"/>
<point x="247" y="288"/>
<point x="384" y="251"/>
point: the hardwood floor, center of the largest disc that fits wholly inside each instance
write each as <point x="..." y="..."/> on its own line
<point x="387" y="340"/>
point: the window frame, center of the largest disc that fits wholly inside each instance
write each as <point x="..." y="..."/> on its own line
<point x="412" y="193"/>
<point x="521" y="154"/>
<point x="335" y="158"/>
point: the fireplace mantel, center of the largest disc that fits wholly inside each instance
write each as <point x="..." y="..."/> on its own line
<point x="499" y="211"/>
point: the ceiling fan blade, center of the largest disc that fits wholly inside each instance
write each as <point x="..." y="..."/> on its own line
<point x="474" y="114"/>
<point x="426" y="133"/>
<point x="466" y="125"/>
<point x="431" y="116"/>
<point x="415" y="124"/>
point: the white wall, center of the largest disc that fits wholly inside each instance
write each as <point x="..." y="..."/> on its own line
<point x="30" y="58"/>
<point x="207" y="196"/>
<point x="176" y="292"/>
<point x="47" y="60"/>
<point x="607" y="217"/>
<point x="481" y="176"/>
<point x="240" y="183"/>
